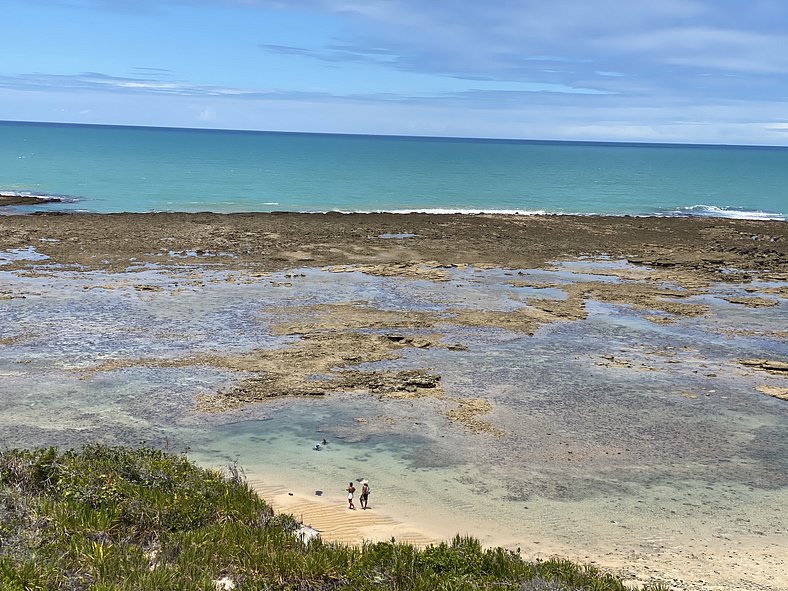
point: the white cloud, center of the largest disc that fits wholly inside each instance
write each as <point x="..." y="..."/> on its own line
<point x="98" y="81"/>
<point x="207" y="114"/>
<point x="670" y="70"/>
<point x="707" y="47"/>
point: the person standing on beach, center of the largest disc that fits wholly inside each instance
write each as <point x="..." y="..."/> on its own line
<point x="364" y="493"/>
<point x="350" y="490"/>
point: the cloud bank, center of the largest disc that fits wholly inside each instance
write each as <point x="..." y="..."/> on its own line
<point x="676" y="70"/>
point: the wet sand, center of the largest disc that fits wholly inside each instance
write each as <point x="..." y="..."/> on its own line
<point x="677" y="263"/>
<point x="693" y="561"/>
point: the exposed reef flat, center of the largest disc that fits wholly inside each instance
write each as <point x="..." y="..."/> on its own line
<point x="7" y="199"/>
<point x="685" y="251"/>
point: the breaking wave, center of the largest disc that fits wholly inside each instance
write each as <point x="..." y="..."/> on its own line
<point x="714" y="211"/>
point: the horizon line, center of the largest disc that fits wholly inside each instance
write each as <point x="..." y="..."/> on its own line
<point x="491" y="139"/>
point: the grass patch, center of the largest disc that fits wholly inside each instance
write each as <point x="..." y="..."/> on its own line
<point x="115" y="518"/>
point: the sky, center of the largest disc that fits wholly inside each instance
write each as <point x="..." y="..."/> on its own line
<point x="689" y="71"/>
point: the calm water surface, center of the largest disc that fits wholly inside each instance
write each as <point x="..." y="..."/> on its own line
<point x="111" y="169"/>
<point x="679" y="436"/>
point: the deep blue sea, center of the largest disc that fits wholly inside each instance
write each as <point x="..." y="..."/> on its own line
<point x="112" y="169"/>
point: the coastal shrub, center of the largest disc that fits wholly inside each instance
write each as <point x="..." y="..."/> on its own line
<point x="540" y="584"/>
<point x="463" y="557"/>
<point x="120" y="519"/>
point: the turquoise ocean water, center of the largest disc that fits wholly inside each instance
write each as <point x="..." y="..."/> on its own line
<point x="110" y="169"/>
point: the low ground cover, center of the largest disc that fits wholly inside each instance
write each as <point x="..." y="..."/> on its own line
<point x="118" y="518"/>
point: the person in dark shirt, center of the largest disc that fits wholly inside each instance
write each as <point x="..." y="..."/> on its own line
<point x="364" y="493"/>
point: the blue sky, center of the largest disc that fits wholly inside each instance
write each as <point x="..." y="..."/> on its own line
<point x="711" y="71"/>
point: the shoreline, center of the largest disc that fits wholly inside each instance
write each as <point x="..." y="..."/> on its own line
<point x="687" y="561"/>
<point x="706" y="212"/>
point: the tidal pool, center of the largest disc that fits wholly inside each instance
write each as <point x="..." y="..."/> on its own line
<point x="615" y="439"/>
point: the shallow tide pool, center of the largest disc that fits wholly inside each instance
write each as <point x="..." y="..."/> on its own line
<point x="614" y="436"/>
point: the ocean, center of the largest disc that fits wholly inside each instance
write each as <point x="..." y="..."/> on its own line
<point x="113" y="169"/>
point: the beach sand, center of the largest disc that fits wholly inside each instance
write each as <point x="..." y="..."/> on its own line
<point x="692" y="557"/>
<point x="338" y="523"/>
<point x="676" y="263"/>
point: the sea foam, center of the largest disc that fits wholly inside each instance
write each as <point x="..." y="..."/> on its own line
<point x="713" y="211"/>
<point x="450" y="211"/>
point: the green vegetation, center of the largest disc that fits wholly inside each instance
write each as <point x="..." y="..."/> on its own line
<point x="114" y="518"/>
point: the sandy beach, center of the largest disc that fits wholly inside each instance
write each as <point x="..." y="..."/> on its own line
<point x="685" y="562"/>
<point x="465" y="295"/>
<point x="341" y="524"/>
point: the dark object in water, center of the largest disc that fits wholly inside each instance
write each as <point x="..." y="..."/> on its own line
<point x="319" y="493"/>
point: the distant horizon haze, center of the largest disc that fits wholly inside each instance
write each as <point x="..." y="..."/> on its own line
<point x="524" y="140"/>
